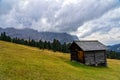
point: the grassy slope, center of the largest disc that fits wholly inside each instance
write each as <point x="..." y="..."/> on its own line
<point x="18" y="62"/>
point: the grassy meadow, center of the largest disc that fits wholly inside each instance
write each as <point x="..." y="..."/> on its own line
<point x="19" y="62"/>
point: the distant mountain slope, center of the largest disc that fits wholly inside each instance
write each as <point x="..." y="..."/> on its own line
<point x="115" y="47"/>
<point x="33" y="34"/>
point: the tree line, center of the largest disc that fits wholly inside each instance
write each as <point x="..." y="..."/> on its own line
<point x="54" y="45"/>
<point x="113" y="55"/>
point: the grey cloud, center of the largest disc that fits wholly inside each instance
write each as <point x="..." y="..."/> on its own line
<point x="77" y="14"/>
<point x="84" y="16"/>
<point x="7" y="5"/>
<point x="106" y="28"/>
<point x="65" y="18"/>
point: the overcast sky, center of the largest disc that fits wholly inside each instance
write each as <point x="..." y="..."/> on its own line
<point x="88" y="19"/>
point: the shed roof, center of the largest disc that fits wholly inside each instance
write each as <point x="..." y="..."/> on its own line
<point x="91" y="45"/>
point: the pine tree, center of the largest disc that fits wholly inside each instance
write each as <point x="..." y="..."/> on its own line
<point x="40" y="44"/>
<point x="56" y="45"/>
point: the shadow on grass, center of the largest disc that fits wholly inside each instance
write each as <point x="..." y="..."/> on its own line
<point x="80" y="65"/>
<point x="83" y="66"/>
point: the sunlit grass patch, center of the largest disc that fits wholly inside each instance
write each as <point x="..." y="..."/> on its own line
<point x="18" y="62"/>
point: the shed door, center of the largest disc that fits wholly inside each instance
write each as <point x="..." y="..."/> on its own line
<point x="89" y="58"/>
<point x="99" y="57"/>
<point x="80" y="56"/>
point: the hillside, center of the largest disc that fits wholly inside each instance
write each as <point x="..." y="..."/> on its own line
<point x="18" y="62"/>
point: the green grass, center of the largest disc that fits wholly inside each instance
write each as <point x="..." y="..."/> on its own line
<point x="18" y="62"/>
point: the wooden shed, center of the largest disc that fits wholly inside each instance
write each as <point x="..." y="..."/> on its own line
<point x="88" y="52"/>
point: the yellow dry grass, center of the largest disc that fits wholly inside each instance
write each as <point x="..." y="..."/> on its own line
<point x="18" y="62"/>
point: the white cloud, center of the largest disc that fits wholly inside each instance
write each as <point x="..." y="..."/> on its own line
<point x="111" y="37"/>
<point x="84" y="17"/>
<point x="105" y="28"/>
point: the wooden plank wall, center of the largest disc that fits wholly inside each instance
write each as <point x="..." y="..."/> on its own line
<point x="100" y="57"/>
<point x="89" y="58"/>
<point x="95" y="57"/>
<point x="74" y="55"/>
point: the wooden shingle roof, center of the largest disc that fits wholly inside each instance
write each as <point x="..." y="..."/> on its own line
<point x="91" y="45"/>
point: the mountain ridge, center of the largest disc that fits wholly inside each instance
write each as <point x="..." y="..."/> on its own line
<point x="34" y="34"/>
<point x="115" y="47"/>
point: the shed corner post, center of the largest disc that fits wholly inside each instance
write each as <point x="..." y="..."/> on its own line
<point x="105" y="58"/>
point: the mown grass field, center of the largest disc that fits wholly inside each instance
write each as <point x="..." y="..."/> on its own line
<point x="18" y="62"/>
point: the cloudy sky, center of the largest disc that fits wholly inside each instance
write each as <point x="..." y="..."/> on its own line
<point x="88" y="19"/>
